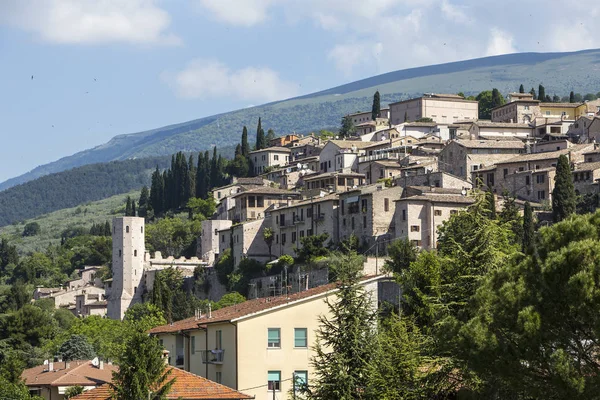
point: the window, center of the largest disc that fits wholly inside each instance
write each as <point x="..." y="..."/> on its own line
<point x="222" y="238"/>
<point x="300" y="337"/>
<point x="301" y="234"/>
<point x="119" y="253"/>
<point x="135" y="253"/>
<point x="309" y="212"/>
<point x="547" y="112"/>
<point x="301" y="379"/>
<point x="527" y="180"/>
<point x="386" y="204"/>
<point x="127" y="229"/>
<point x="452" y="212"/>
<point x="219" y="339"/>
<point x="274" y="378"/>
<point x="364" y="221"/>
<point x="415" y="228"/>
<point x="403" y="215"/>
<point x="193" y="344"/>
<point x="363" y="205"/>
<point x="352" y="223"/>
<point x="416" y="242"/>
<point x="437" y="213"/>
<point x="293" y="237"/>
<point x="309" y="232"/>
<point x="505" y="171"/>
<point x="283" y="238"/>
<point x="344" y="222"/>
<point x="539" y="178"/>
<point x="342" y="207"/>
<point x="251" y="201"/>
<point x="274" y="339"/>
<point x="219" y="377"/>
<point x="160" y="342"/>
<point x="541" y="194"/>
<point x="276" y="157"/>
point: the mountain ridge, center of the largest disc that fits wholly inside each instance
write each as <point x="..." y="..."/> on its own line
<point x="559" y="72"/>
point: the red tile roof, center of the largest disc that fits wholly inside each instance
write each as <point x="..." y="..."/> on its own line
<point x="244" y="309"/>
<point x="187" y="386"/>
<point x="81" y="373"/>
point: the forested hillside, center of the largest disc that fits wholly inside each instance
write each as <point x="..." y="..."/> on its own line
<point x="560" y="73"/>
<point x="76" y="186"/>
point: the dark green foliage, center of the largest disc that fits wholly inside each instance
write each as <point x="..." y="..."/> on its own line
<point x="73" y="391"/>
<point x="532" y="92"/>
<point x="128" y="208"/>
<point x="133" y="209"/>
<point x="261" y="141"/>
<point x="564" y="200"/>
<point x="200" y="209"/>
<point x="572" y="97"/>
<point x="142" y="372"/>
<point x="245" y="144"/>
<point x="173" y="236"/>
<point x="541" y="93"/>
<point x="528" y="229"/>
<point x="490" y="199"/>
<point x="376" y="108"/>
<point x="229" y="299"/>
<point x="590" y="97"/>
<point x="270" y="136"/>
<point x="77" y="347"/>
<point x="313" y="247"/>
<point x="556" y="99"/>
<point x="224" y="266"/>
<point x="73" y="187"/>
<point x="510" y="217"/>
<point x="268" y="237"/>
<point x="521" y="89"/>
<point x="96" y="230"/>
<point x="31" y="229"/>
<point x="485" y="104"/>
<point x="345" y="338"/>
<point x="8" y="254"/>
<point x="347" y="127"/>
<point x="203" y="175"/>
<point x="426" y="119"/>
<point x="170" y="297"/>
<point x="402" y="252"/>
<point x="497" y="98"/>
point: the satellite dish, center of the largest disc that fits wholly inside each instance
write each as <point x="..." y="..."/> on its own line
<point x="45" y="362"/>
<point x="299" y="166"/>
<point x="95" y="362"/>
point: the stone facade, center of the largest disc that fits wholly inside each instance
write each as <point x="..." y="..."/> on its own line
<point x="209" y="239"/>
<point x="248" y="241"/>
<point x="441" y="108"/>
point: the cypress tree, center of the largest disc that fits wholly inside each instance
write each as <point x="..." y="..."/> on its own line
<point x="214" y="170"/>
<point x="572" y="97"/>
<point x="107" y="231"/>
<point x="497" y="98"/>
<point x="144" y="202"/>
<point x="190" y="190"/>
<point x="405" y="116"/>
<point x="128" y="207"/>
<point x="532" y="91"/>
<point x="270" y="136"/>
<point x="563" y="195"/>
<point x="245" y="145"/>
<point x="238" y="150"/>
<point x="542" y="93"/>
<point x="528" y="228"/>
<point x="200" y="176"/>
<point x="156" y="192"/>
<point x="376" y="108"/>
<point x="260" y="136"/>
<point x="521" y="89"/>
<point x="133" y="210"/>
<point x="491" y="203"/>
<point x="167" y="194"/>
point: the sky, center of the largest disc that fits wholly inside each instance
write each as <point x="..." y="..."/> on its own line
<point x="75" y="73"/>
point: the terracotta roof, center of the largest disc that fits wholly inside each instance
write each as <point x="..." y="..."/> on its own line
<point x="273" y="148"/>
<point x="81" y="373"/>
<point x="544" y="155"/>
<point x="187" y="386"/>
<point x="266" y="190"/>
<point x="244" y="309"/>
<point x="440" y="198"/>
<point x="490" y="144"/>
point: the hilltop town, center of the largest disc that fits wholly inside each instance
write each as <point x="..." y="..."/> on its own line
<point x="410" y="187"/>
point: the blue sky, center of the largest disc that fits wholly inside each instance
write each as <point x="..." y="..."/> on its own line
<point x="107" y="67"/>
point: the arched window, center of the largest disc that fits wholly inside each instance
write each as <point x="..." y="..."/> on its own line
<point x="127" y="229"/>
<point x="135" y="253"/>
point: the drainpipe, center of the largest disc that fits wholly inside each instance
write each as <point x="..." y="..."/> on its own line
<point x="236" y="352"/>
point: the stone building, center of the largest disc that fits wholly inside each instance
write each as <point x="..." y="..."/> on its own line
<point x="441" y="108"/>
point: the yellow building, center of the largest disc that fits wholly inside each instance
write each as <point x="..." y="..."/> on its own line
<point x="258" y="345"/>
<point x="564" y="111"/>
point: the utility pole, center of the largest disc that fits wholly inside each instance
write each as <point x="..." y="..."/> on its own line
<point x="294" y="385"/>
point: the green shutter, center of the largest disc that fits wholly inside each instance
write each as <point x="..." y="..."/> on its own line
<point x="274" y="337"/>
<point x="300" y="339"/>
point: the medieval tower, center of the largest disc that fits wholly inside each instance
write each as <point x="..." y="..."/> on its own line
<point x="127" y="265"/>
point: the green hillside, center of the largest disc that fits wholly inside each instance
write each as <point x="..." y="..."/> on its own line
<point x="558" y="72"/>
<point x="53" y="224"/>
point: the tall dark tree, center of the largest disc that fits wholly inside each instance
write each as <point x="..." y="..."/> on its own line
<point x="214" y="169"/>
<point x="144" y="202"/>
<point x="270" y="136"/>
<point x="190" y="187"/>
<point x="157" y="192"/>
<point x="261" y="142"/>
<point x="107" y="231"/>
<point x="528" y="228"/>
<point x="541" y="93"/>
<point x="497" y="98"/>
<point x="521" y="89"/>
<point x="128" y="207"/>
<point x="572" y="97"/>
<point x="491" y="203"/>
<point x="347" y="128"/>
<point x="133" y="209"/>
<point x="77" y="347"/>
<point x="202" y="175"/>
<point x="556" y="99"/>
<point x="376" y="108"/>
<point x="532" y="91"/>
<point x="8" y="254"/>
<point x="245" y="144"/>
<point x="564" y="200"/>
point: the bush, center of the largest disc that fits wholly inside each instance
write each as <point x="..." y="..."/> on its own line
<point x="31" y="229"/>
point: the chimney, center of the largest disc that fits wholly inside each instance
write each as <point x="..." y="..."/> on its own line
<point x="67" y="365"/>
<point x="51" y="366"/>
<point x="101" y="365"/>
<point x="209" y="311"/>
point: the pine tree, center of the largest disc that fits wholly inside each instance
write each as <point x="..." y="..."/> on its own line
<point x="347" y="128"/>
<point x="521" y="89"/>
<point x="572" y="97"/>
<point x="128" y="207"/>
<point x="497" y="98"/>
<point x="563" y="196"/>
<point x="376" y="109"/>
<point x="270" y="136"/>
<point x="144" y="202"/>
<point x="245" y="145"/>
<point x="541" y="93"/>
<point x="345" y="338"/>
<point x="532" y="92"/>
<point x="491" y="203"/>
<point x="261" y="142"/>
<point x="528" y="228"/>
<point x="133" y="210"/>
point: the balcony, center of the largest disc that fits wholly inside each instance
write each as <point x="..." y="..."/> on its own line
<point x="179" y="361"/>
<point x="213" y="356"/>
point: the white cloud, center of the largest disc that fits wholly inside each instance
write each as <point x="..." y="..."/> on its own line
<point x="453" y="12"/>
<point x="500" y="43"/>
<point x="90" y="21"/>
<point x="205" y="79"/>
<point x="239" y="12"/>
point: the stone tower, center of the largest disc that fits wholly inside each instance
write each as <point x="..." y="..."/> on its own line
<point x="127" y="265"/>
